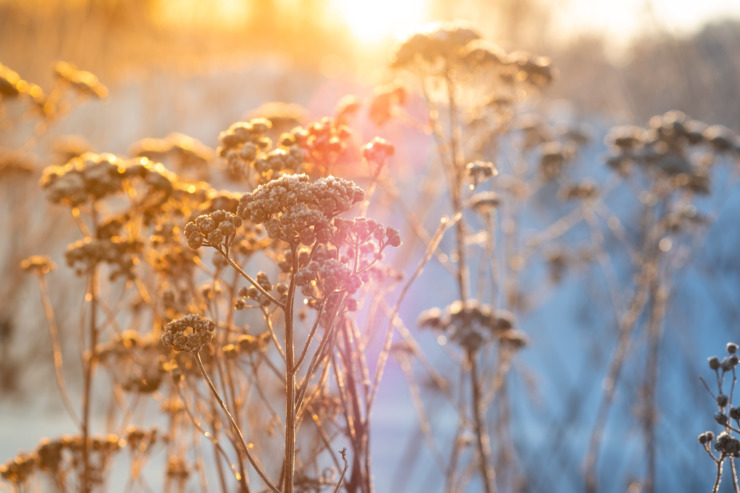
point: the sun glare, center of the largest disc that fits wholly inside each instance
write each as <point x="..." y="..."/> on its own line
<point x="376" y="21"/>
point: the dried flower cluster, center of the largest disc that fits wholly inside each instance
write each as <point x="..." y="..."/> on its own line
<point x="214" y="229"/>
<point x="664" y="149"/>
<point x="13" y="86"/>
<point x="84" y="82"/>
<point x="61" y="456"/>
<point x="727" y="415"/>
<point x="459" y="47"/>
<point x="296" y="210"/>
<point x="190" y="333"/>
<point x="185" y="151"/>
<point x="472" y="324"/>
<point x="92" y="177"/>
<point x="249" y="151"/>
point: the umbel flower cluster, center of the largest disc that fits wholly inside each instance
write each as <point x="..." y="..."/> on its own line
<point x="664" y="149"/>
<point x="216" y="228"/>
<point x="190" y="333"/>
<point x="94" y="176"/>
<point x="298" y="211"/>
<point x="471" y="324"/>
<point x="459" y="47"/>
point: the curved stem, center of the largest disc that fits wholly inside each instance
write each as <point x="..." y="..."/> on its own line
<point x="238" y="431"/>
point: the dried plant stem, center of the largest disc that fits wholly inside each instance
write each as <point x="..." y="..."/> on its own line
<point x="718" y="476"/>
<point x="341" y="478"/>
<point x="488" y="474"/>
<point x="88" y="370"/>
<point x="456" y="190"/>
<point x="657" y="314"/>
<point x="56" y="349"/>
<point x="290" y="382"/>
<point x="237" y="430"/>
<point x="246" y="276"/>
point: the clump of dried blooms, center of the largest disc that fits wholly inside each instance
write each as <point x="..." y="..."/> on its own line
<point x="584" y="190"/>
<point x="444" y="48"/>
<point x="214" y="229"/>
<point x="19" y="469"/>
<point x="296" y="210"/>
<point x="666" y="149"/>
<point x="119" y="253"/>
<point x="94" y="176"/>
<point x="727" y="416"/>
<point x="185" y="151"/>
<point x="14" y="164"/>
<point x="484" y="203"/>
<point x="38" y="264"/>
<point x="385" y="102"/>
<point x="323" y="142"/>
<point x="472" y="324"/>
<point x="12" y="86"/>
<point x="437" y="41"/>
<point x="189" y="333"/>
<point x="84" y="82"/>
<point x="378" y="151"/>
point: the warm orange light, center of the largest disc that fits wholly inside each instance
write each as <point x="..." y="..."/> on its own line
<point x="378" y="20"/>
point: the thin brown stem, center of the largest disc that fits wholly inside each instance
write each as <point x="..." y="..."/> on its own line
<point x="237" y="430"/>
<point x="488" y="474"/>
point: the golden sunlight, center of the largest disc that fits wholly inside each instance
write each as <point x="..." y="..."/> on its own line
<point x="373" y="22"/>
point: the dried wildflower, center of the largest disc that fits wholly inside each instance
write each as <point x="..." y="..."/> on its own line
<point x="12" y="86"/>
<point x="189" y="333"/>
<point x="248" y="150"/>
<point x="177" y="468"/>
<point x="296" y="210"/>
<point x="140" y="439"/>
<point x="706" y="437"/>
<point x="346" y="108"/>
<point x="579" y="191"/>
<point x="120" y="253"/>
<point x="721" y="138"/>
<point x="38" y="264"/>
<point x="49" y="455"/>
<point x="185" y="151"/>
<point x="385" y="103"/>
<point x="625" y="138"/>
<point x="478" y="171"/>
<point x="214" y="229"/>
<point x="436" y="43"/>
<point x="328" y="277"/>
<point x="84" y="82"/>
<point x="95" y="176"/>
<point x="485" y="203"/>
<point x="378" y="151"/>
<point x="727" y="444"/>
<point x="15" y="164"/>
<point x="19" y="469"/>
<point x="553" y="159"/>
<point x="471" y="324"/>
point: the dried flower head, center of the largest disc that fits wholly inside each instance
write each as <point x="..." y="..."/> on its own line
<point x="84" y="82"/>
<point x="189" y="333"/>
<point x="214" y="229"/>
<point x="472" y="324"/>
<point x="296" y="210"/>
<point x="38" y="264"/>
